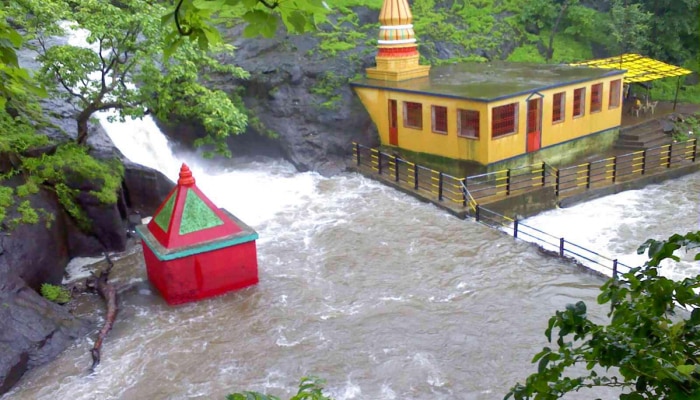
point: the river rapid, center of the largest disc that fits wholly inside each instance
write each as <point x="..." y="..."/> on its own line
<point x="382" y="295"/>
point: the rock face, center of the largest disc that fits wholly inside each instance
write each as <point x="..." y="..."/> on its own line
<point x="286" y="91"/>
<point x="34" y="330"/>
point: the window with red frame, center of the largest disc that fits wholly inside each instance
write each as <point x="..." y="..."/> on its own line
<point x="579" y="101"/>
<point x="596" y="97"/>
<point x="615" y="93"/>
<point x="439" y="119"/>
<point x="468" y="123"/>
<point x="504" y="120"/>
<point x="412" y="115"/>
<point x="558" y="107"/>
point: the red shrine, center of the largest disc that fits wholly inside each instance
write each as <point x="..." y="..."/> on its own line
<point x="195" y="250"/>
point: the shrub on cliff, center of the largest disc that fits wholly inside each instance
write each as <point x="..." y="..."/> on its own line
<point x="33" y="162"/>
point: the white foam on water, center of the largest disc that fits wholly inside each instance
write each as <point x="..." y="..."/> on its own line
<point x="79" y="268"/>
<point x="616" y="225"/>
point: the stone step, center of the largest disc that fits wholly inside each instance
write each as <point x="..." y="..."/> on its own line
<point x="660" y="141"/>
<point x="627" y="147"/>
<point x="639" y="145"/>
<point x="630" y="142"/>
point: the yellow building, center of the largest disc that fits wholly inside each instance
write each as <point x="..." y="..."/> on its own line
<point x="482" y="112"/>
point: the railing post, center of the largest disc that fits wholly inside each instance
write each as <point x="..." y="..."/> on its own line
<point x="670" y="151"/>
<point x="614" y="171"/>
<point x="357" y="152"/>
<point x="415" y="176"/>
<point x="615" y="269"/>
<point x="477" y="212"/>
<point x="588" y="176"/>
<point x="379" y="162"/>
<point x="544" y="175"/>
<point x="396" y="168"/>
<point x="644" y="161"/>
<point x="440" y="178"/>
<point x="464" y="192"/>
<point x="695" y="148"/>
<point x="556" y="183"/>
<point x="561" y="247"/>
<point x="515" y="229"/>
<point x="508" y="182"/>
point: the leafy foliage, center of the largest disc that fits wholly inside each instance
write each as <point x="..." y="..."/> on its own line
<point x="55" y="293"/>
<point x="65" y="168"/>
<point x="197" y="19"/>
<point x="310" y="388"/>
<point x="651" y="338"/>
<point x="69" y="166"/>
<point x="14" y="81"/>
<point x="688" y="128"/>
<point x="628" y="25"/>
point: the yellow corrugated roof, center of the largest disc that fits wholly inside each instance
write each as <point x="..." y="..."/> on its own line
<point x="639" y="68"/>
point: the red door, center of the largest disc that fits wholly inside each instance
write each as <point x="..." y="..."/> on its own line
<point x="534" y="124"/>
<point x="393" y="129"/>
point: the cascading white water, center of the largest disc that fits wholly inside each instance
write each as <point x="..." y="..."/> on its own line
<point x="617" y="225"/>
<point x="382" y="295"/>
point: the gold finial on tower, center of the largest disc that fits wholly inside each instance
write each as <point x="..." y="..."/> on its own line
<point x="397" y="59"/>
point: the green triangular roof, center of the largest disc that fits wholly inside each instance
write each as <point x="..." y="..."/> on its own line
<point x="196" y="215"/>
<point x="166" y="213"/>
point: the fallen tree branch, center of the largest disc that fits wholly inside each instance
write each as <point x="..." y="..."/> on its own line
<point x="108" y="292"/>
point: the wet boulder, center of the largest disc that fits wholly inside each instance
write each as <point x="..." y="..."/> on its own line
<point x="32" y="329"/>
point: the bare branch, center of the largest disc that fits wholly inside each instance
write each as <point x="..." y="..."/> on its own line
<point x="104" y="64"/>
<point x="183" y="32"/>
<point x="271" y="6"/>
<point x="113" y="105"/>
<point x="68" y="89"/>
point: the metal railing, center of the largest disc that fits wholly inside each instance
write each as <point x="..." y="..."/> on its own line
<point x="564" y="248"/>
<point x="594" y="174"/>
<point x="434" y="184"/>
<point x="466" y="191"/>
<point x="492" y="185"/>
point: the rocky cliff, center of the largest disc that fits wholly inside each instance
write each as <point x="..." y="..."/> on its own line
<point x="32" y="329"/>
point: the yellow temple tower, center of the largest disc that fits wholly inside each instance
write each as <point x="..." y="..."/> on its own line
<point x="397" y="59"/>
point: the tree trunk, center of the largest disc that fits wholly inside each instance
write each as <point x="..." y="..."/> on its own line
<point x="108" y="292"/>
<point x="82" y="119"/>
<point x="555" y="29"/>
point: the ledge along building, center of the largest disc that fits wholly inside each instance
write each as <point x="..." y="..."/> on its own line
<point x="491" y="115"/>
<point x="195" y="250"/>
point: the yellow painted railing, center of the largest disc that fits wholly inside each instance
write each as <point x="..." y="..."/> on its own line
<point x="469" y="191"/>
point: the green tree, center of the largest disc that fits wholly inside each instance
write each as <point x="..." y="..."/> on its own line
<point x="561" y="7"/>
<point x="674" y="32"/>
<point x="127" y="42"/>
<point x="629" y="28"/>
<point x="651" y="340"/>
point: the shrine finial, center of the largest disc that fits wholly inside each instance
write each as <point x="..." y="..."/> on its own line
<point x="186" y="178"/>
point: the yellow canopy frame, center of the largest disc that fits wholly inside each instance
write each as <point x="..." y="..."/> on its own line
<point x="640" y="69"/>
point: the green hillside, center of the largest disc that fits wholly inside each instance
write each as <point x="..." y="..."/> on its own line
<point x="554" y="31"/>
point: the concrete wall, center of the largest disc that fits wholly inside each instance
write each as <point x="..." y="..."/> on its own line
<point x="523" y="205"/>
